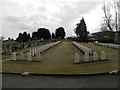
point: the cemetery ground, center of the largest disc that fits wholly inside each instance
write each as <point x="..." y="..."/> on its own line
<point x="60" y="60"/>
<point x="8" y="54"/>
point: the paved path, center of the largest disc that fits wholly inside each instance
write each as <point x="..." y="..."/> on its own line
<point x="98" y="81"/>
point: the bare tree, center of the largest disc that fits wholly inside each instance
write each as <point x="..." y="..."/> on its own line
<point x="116" y="9"/>
<point x="110" y="21"/>
<point x="107" y="17"/>
<point x="118" y="5"/>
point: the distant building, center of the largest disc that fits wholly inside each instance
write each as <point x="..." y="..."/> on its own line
<point x="104" y="36"/>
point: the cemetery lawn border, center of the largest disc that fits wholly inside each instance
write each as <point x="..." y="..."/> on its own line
<point x="59" y="60"/>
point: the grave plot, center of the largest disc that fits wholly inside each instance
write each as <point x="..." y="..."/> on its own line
<point x="83" y="48"/>
<point x="110" y="53"/>
<point x="110" y="45"/>
<point x="89" y="56"/>
<point x="35" y="52"/>
<point x="24" y="47"/>
<point x="7" y="56"/>
<point x="60" y="60"/>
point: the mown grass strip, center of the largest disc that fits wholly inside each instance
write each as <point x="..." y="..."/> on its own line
<point x="60" y="60"/>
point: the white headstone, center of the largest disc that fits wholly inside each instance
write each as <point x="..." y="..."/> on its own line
<point x="103" y="55"/>
<point x="38" y="50"/>
<point x="32" y="52"/>
<point x="95" y="56"/>
<point x="86" y="57"/>
<point x="14" y="56"/>
<point x="90" y="51"/>
<point x="38" y="56"/>
<point x="77" y="58"/>
<point x="29" y="58"/>
<point x="21" y="56"/>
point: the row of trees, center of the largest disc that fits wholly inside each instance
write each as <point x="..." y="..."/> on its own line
<point x="42" y="33"/>
<point x="23" y="37"/>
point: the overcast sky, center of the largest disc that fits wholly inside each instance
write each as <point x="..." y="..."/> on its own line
<point x="28" y="15"/>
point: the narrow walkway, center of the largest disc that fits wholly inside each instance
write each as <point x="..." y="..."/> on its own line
<point x="63" y="52"/>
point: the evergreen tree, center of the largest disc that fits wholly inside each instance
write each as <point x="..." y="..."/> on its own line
<point x="43" y="33"/>
<point x="25" y="37"/>
<point x="34" y="35"/>
<point x="9" y="38"/>
<point x="60" y="33"/>
<point x="53" y="36"/>
<point x="29" y="36"/>
<point x="19" y="39"/>
<point x="81" y="29"/>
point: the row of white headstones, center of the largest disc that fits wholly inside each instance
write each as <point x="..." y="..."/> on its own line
<point x="83" y="48"/>
<point x="87" y="53"/>
<point x="34" y="52"/>
<point x="111" y="45"/>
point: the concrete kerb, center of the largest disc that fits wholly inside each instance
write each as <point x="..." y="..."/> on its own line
<point x="36" y="74"/>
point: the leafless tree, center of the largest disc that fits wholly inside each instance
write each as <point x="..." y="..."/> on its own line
<point x="110" y="21"/>
<point x="107" y="17"/>
<point x="116" y="9"/>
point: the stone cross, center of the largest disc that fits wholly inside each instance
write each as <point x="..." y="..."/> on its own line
<point x="13" y="56"/>
<point x="95" y="56"/>
<point x="29" y="58"/>
<point x="77" y="58"/>
<point x="103" y="55"/>
<point x="86" y="57"/>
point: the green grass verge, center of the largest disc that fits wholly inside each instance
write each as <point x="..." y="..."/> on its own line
<point x="60" y="60"/>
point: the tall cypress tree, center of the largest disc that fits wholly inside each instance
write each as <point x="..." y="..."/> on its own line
<point x="81" y="29"/>
<point x="19" y="38"/>
<point x="53" y="36"/>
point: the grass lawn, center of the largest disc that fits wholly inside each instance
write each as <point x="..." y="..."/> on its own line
<point x="60" y="60"/>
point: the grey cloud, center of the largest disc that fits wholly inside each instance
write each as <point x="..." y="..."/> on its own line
<point x="71" y="14"/>
<point x="66" y="17"/>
